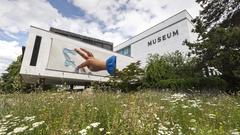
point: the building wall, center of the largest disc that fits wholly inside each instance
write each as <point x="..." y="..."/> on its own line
<point x="165" y="37"/>
<point x="50" y="61"/>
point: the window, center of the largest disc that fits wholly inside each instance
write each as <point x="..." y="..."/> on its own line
<point x="35" y="51"/>
<point x="125" y="51"/>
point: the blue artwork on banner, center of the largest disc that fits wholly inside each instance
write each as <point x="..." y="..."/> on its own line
<point x="68" y="61"/>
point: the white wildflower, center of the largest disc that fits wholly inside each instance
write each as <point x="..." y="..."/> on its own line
<point x="15" y="119"/>
<point x="193" y="129"/>
<point x="193" y="103"/>
<point x="2" y="133"/>
<point x="162" y="128"/>
<point x="19" y="129"/>
<point x="162" y="107"/>
<point x="235" y="132"/>
<point x="167" y="123"/>
<point x="178" y="96"/>
<point x="139" y="121"/>
<point x="4" y="123"/>
<point x="160" y="132"/>
<point x="88" y="127"/>
<point x="67" y="131"/>
<point x="10" y="133"/>
<point x="212" y="116"/>
<point x="31" y="129"/>
<point x="2" y="129"/>
<point x="29" y="118"/>
<point x="156" y="117"/>
<point x="95" y="124"/>
<point x="3" y="119"/>
<point x="184" y="107"/>
<point x="211" y="104"/>
<point x="83" y="132"/>
<point x="8" y="116"/>
<point x="192" y="120"/>
<point x="70" y="97"/>
<point x="36" y="124"/>
<point x="101" y="129"/>
<point x="189" y="114"/>
<point x="149" y="105"/>
<point x="107" y="133"/>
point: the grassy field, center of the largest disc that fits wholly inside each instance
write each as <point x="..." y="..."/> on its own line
<point x="142" y="113"/>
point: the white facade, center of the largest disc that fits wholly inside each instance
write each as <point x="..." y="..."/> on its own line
<point x="165" y="37"/>
<point x="44" y="59"/>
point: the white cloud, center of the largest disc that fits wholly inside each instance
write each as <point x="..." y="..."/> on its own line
<point x="9" y="50"/>
<point x="121" y="18"/>
<point x="19" y="15"/>
<point x="128" y="18"/>
<point x="135" y="16"/>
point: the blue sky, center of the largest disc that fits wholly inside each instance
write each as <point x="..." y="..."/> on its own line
<point x="111" y="20"/>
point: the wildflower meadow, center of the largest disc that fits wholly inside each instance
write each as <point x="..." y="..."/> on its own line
<point x="140" y="113"/>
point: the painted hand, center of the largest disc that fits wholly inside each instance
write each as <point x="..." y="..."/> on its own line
<point x="92" y="63"/>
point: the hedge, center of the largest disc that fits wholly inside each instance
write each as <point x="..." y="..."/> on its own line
<point x="189" y="83"/>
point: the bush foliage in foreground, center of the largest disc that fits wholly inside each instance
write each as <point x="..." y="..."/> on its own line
<point x="128" y="79"/>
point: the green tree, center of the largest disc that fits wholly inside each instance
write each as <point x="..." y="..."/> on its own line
<point x="220" y="48"/>
<point x="12" y="81"/>
<point x="218" y="43"/>
<point x="128" y="79"/>
<point x="223" y="12"/>
<point x="125" y="80"/>
<point x="170" y="66"/>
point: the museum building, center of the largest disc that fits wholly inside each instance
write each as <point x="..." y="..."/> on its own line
<point x="49" y="55"/>
<point x="165" y="37"/>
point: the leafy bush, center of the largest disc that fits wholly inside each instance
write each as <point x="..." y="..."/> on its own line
<point x="177" y="72"/>
<point x="170" y="66"/>
<point x="128" y="79"/>
<point x="12" y="81"/>
<point x="206" y="83"/>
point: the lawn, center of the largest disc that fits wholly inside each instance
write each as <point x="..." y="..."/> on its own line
<point x="141" y="113"/>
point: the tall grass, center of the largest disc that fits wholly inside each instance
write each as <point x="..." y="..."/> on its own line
<point x="119" y="113"/>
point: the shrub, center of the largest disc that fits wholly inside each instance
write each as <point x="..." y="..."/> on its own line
<point x="203" y="83"/>
<point x="128" y="79"/>
<point x="12" y="81"/>
<point x="170" y="66"/>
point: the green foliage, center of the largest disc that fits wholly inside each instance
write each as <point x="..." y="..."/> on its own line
<point x="128" y="79"/>
<point x="170" y="66"/>
<point x="176" y="72"/>
<point x="220" y="48"/>
<point x="202" y="83"/>
<point x="12" y="80"/>
<point x="223" y="12"/>
<point x="218" y="43"/>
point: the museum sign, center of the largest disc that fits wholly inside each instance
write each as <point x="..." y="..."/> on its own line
<point x="163" y="37"/>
